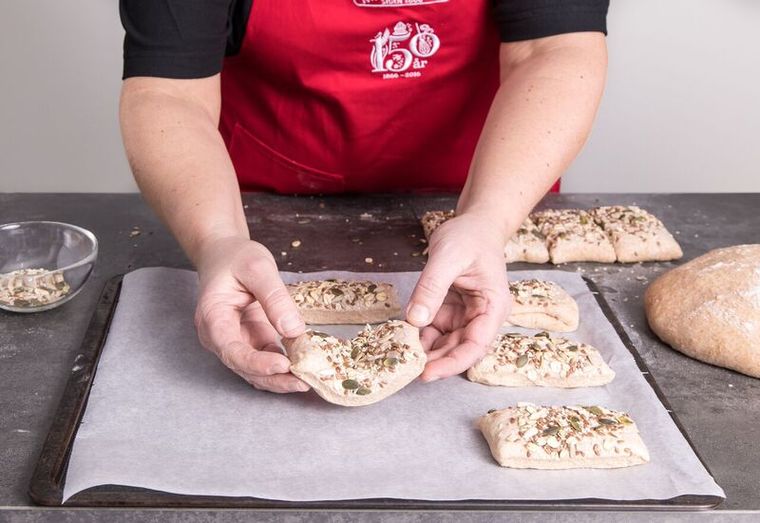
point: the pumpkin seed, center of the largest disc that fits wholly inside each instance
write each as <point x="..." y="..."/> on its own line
<point x="607" y="421"/>
<point x="575" y="423"/>
<point x="595" y="410"/>
<point x="390" y="362"/>
<point x="363" y="391"/>
<point x="355" y="353"/>
<point x="572" y="348"/>
<point x="350" y="384"/>
<point x="542" y="334"/>
<point x="550" y="431"/>
<point x="522" y="361"/>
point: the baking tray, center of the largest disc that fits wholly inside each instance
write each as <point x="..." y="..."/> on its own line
<point x="46" y="486"/>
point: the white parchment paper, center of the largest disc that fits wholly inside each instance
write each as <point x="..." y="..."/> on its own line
<point x="164" y="414"/>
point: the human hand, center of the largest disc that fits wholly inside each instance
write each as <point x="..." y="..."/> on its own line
<point x="242" y="306"/>
<point x="462" y="296"/>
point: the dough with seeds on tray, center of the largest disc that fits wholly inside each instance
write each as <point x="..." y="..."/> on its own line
<point x="333" y="301"/>
<point x="572" y="235"/>
<point x="542" y="304"/>
<point x="636" y="235"/>
<point x="376" y="363"/>
<point x="528" y="436"/>
<point x="518" y="360"/>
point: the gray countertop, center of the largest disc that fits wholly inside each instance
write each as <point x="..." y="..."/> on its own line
<point x="719" y="409"/>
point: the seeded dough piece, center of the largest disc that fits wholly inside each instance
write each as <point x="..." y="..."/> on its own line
<point x="327" y="302"/>
<point x="709" y="308"/>
<point x="527" y="245"/>
<point x="517" y="360"/>
<point x="572" y="235"/>
<point x="540" y="304"/>
<point x="636" y="234"/>
<point x="432" y="219"/>
<point x="565" y="437"/>
<point x="378" y="362"/>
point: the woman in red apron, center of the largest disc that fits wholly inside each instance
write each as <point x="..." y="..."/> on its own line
<point x="490" y="98"/>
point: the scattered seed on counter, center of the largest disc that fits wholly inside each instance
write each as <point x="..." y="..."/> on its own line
<point x="368" y="260"/>
<point x="295" y="243"/>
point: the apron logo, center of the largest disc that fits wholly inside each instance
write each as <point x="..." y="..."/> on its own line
<point x="395" y="3"/>
<point x="395" y="53"/>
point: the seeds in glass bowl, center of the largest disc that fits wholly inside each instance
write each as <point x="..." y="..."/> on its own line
<point x="32" y="287"/>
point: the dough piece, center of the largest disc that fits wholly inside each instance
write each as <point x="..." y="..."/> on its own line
<point x="533" y="437"/>
<point x="516" y="360"/>
<point x="709" y="308"/>
<point x="527" y="245"/>
<point x="378" y="362"/>
<point x="540" y="304"/>
<point x="636" y="234"/>
<point x="327" y="302"/>
<point x="432" y="219"/>
<point x="573" y="236"/>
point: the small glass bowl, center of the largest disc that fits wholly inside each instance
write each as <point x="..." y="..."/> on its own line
<point x="43" y="264"/>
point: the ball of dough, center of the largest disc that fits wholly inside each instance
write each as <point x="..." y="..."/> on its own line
<point x="709" y="308"/>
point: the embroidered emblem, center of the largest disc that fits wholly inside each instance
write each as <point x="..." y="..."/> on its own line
<point x="396" y="3"/>
<point x="403" y="52"/>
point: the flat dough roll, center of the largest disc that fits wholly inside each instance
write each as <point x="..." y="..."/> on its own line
<point x="636" y="234"/>
<point x="375" y="364"/>
<point x="517" y="360"/>
<point x="330" y="302"/>
<point x="527" y="245"/>
<point x="573" y="236"/>
<point x="566" y="437"/>
<point x="541" y="304"/>
<point x="432" y="219"/>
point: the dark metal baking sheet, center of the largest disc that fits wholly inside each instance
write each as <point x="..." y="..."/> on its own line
<point x="46" y="486"/>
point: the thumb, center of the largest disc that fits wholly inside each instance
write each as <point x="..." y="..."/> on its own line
<point x="431" y="289"/>
<point x="263" y="280"/>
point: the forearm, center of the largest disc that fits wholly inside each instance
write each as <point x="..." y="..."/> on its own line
<point x="539" y="120"/>
<point x="180" y="162"/>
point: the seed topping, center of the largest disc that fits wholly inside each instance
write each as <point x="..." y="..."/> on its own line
<point x="365" y="363"/>
<point x="558" y="431"/>
<point x="335" y="294"/>
<point x="32" y="287"/>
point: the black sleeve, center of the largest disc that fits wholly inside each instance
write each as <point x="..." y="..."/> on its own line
<point x="178" y="38"/>
<point x="529" y="19"/>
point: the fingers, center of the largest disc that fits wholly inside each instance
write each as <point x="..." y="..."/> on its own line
<point x="443" y="345"/>
<point x="431" y="289"/>
<point x="219" y="330"/>
<point x="280" y="383"/>
<point x="456" y="361"/>
<point x="463" y="353"/>
<point x="245" y="360"/>
<point x="428" y="336"/>
<point x="259" y="275"/>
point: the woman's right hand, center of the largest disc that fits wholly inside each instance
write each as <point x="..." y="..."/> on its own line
<point x="242" y="306"/>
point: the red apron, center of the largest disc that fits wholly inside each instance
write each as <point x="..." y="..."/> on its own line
<point x="333" y="96"/>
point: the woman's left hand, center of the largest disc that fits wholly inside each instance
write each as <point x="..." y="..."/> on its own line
<point x="462" y="297"/>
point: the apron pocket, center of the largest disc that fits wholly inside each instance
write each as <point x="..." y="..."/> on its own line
<point x="261" y="168"/>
